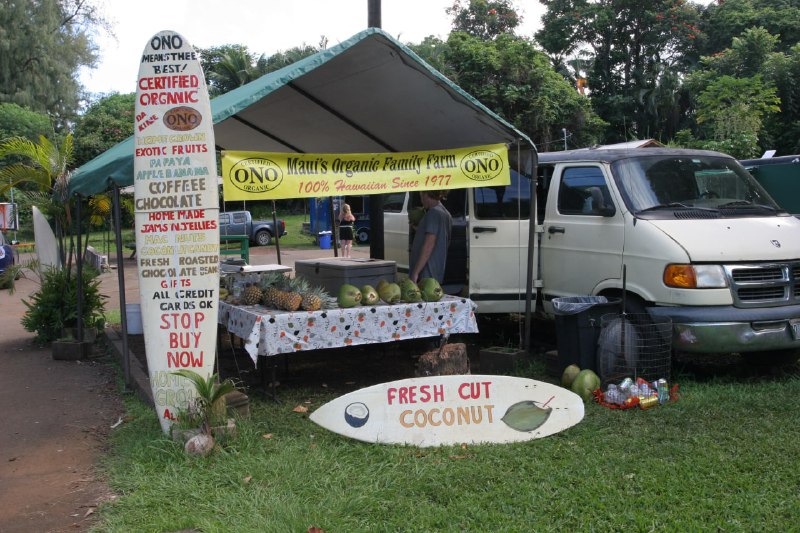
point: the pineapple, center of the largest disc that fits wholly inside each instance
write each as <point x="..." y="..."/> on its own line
<point x="314" y="298"/>
<point x="270" y="296"/>
<point x="288" y="301"/>
<point x="311" y="301"/>
<point x="251" y="295"/>
<point x="292" y="299"/>
<point x="271" y="285"/>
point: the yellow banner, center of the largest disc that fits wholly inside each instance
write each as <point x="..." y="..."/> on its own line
<point x="276" y="176"/>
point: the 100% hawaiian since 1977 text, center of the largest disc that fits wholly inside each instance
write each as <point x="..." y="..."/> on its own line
<point x="324" y="186"/>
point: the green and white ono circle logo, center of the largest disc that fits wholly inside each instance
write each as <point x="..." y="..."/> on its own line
<point x="482" y="165"/>
<point x="256" y="175"/>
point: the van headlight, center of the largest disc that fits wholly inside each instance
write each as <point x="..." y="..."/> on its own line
<point x="695" y="277"/>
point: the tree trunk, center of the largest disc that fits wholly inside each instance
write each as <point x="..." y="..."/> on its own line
<point x="449" y="360"/>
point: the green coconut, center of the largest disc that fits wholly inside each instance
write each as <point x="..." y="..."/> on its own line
<point x="585" y="383"/>
<point x="389" y="293"/>
<point x="349" y="296"/>
<point x="430" y="289"/>
<point x="569" y="375"/>
<point x="409" y="292"/>
<point x="369" y="296"/>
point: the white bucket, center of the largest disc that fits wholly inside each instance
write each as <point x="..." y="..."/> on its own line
<point x="133" y="314"/>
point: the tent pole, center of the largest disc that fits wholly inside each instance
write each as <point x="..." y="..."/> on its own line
<point x="277" y="232"/>
<point x="334" y="233"/>
<point x="79" y="263"/>
<point x="532" y="216"/>
<point x="374" y="14"/>
<point x="126" y="365"/>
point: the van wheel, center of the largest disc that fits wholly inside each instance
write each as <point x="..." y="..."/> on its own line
<point x="362" y="235"/>
<point x="263" y="238"/>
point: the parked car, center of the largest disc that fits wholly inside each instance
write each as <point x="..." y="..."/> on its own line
<point x="260" y="232"/>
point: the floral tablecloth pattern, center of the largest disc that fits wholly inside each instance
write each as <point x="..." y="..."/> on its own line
<point x="271" y="332"/>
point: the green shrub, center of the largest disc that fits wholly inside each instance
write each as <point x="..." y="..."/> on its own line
<point x="55" y="305"/>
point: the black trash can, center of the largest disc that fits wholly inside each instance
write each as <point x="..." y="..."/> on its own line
<point x="578" y="328"/>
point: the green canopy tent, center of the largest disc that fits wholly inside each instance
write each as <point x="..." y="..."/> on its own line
<point x="367" y="94"/>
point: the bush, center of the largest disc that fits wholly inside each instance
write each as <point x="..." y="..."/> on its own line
<point x="55" y="305"/>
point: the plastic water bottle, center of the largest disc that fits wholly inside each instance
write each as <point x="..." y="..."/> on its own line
<point x="614" y="395"/>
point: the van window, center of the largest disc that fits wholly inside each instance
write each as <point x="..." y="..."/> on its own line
<point x="455" y="202"/>
<point x="657" y="184"/>
<point x="359" y="205"/>
<point x="545" y="176"/>
<point x="507" y="202"/>
<point x="393" y="202"/>
<point x="583" y="191"/>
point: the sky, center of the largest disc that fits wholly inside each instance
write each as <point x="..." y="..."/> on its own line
<point x="264" y="26"/>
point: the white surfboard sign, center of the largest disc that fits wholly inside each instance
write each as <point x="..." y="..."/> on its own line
<point x="46" y="243"/>
<point x="176" y="212"/>
<point x="450" y="410"/>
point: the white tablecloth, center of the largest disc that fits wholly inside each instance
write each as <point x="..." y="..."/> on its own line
<point x="271" y="332"/>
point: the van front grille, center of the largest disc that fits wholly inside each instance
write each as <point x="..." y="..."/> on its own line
<point x="768" y="284"/>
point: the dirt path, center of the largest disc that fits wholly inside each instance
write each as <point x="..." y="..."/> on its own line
<point x="55" y="418"/>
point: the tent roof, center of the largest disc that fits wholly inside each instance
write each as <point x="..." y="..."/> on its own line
<point x="368" y="94"/>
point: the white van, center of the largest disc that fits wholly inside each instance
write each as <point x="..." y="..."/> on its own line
<point x="700" y="240"/>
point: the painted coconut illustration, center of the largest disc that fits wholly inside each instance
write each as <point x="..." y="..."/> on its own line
<point x="356" y="414"/>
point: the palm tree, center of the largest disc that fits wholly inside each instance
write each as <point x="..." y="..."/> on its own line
<point x="45" y="165"/>
<point x="234" y="69"/>
<point x="208" y="402"/>
<point x="44" y="168"/>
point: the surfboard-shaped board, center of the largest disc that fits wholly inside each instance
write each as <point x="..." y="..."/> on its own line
<point x="46" y="243"/>
<point x="448" y="410"/>
<point x="176" y="212"/>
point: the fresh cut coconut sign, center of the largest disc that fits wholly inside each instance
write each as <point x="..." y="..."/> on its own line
<point x="176" y="211"/>
<point x="448" y="410"/>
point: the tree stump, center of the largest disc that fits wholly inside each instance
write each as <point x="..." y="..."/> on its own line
<point x="449" y="360"/>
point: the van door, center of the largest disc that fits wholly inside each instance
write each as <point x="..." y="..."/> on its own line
<point x="398" y="235"/>
<point x="395" y="229"/>
<point x="498" y="245"/>
<point x="583" y="239"/>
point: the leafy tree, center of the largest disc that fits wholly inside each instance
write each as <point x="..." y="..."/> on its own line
<point x="432" y="49"/>
<point x="723" y="21"/>
<point x="635" y="47"/>
<point x="16" y="121"/>
<point x="735" y="109"/>
<point x="279" y="59"/>
<point x="516" y="81"/>
<point x="233" y="65"/>
<point x="737" y="94"/>
<point x="228" y="67"/>
<point x="105" y="123"/>
<point x="484" y="19"/>
<point x="43" y="44"/>
<point x="782" y="130"/>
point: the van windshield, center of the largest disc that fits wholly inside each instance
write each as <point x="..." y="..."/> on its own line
<point x="660" y="185"/>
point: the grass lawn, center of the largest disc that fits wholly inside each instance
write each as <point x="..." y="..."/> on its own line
<point x="723" y="457"/>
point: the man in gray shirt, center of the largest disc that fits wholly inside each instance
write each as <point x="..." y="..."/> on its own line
<point x="429" y="248"/>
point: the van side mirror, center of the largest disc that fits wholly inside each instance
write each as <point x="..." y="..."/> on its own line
<point x="607" y="211"/>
